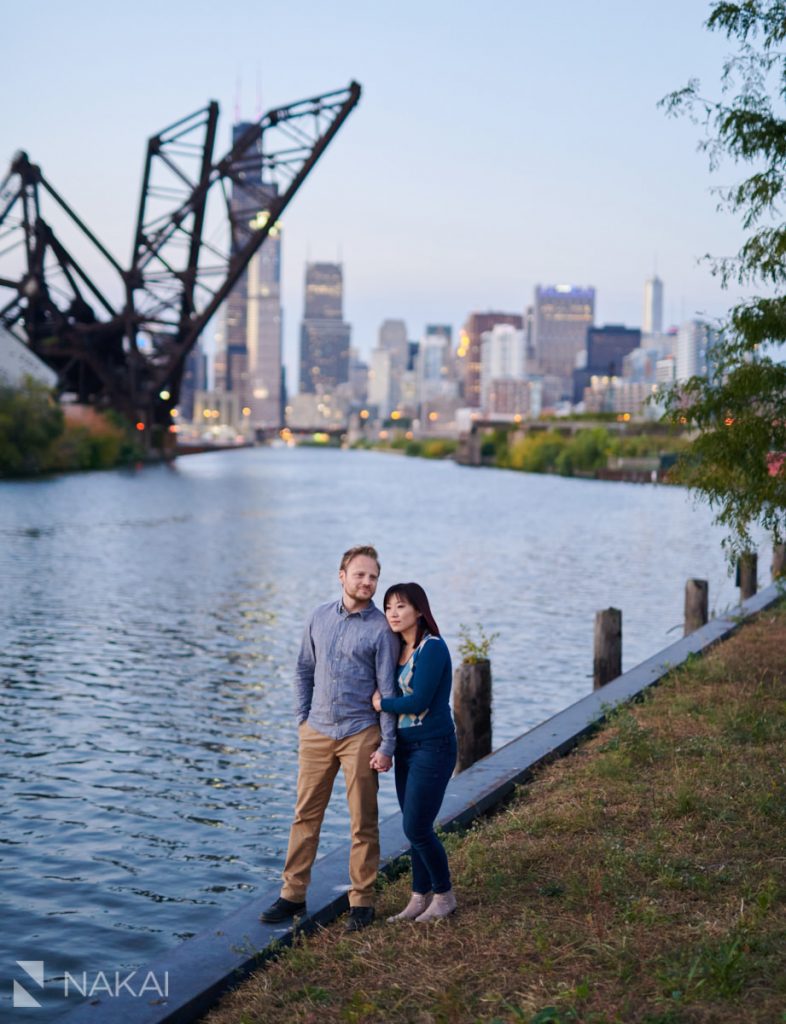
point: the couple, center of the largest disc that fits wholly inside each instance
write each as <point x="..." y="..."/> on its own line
<point x="350" y="661"/>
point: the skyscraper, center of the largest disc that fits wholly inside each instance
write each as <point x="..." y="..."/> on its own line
<point x="606" y="349"/>
<point x="393" y="338"/>
<point x="194" y="379"/>
<point x="469" y="348"/>
<point x="652" y="321"/>
<point x="393" y="342"/>
<point x="562" y="313"/>
<point x="324" y="336"/>
<point x="695" y="341"/>
<point x="248" y="356"/>
<point x="380" y="382"/>
<point x="502" y="359"/>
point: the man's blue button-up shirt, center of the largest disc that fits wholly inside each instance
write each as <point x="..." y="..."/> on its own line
<point x="343" y="658"/>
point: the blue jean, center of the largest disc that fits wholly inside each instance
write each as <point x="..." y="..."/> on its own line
<point x="423" y="769"/>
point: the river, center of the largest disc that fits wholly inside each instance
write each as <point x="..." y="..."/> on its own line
<point x="150" y="621"/>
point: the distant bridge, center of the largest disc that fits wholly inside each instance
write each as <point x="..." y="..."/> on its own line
<point x="131" y="357"/>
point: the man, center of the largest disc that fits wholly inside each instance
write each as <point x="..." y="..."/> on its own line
<point x="347" y="652"/>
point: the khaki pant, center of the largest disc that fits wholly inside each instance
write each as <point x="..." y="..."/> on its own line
<point x="319" y="761"/>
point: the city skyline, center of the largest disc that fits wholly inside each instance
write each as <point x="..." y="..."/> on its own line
<point x="456" y="186"/>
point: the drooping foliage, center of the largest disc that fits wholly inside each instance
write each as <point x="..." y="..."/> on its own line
<point x="740" y="409"/>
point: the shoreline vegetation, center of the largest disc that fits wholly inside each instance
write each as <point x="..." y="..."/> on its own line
<point x="563" y="447"/>
<point x="39" y="436"/>
<point x="639" y="880"/>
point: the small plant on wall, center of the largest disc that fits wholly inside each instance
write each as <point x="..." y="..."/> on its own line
<point x="474" y="646"/>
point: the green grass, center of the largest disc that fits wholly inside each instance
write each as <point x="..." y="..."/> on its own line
<point x="641" y="880"/>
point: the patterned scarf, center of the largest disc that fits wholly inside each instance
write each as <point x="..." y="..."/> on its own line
<point x="408" y="669"/>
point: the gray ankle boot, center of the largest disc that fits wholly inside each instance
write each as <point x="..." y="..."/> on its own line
<point x="418" y="903"/>
<point x="443" y="904"/>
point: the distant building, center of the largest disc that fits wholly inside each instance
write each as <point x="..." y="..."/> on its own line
<point x="664" y="341"/>
<point x="561" y="315"/>
<point x="194" y="379"/>
<point x="380" y="382"/>
<point x="437" y="386"/>
<point x="606" y="350"/>
<point x="358" y="378"/>
<point x="666" y="371"/>
<point x="693" y="351"/>
<point x="652" y="321"/>
<point x="469" y="349"/>
<point x="510" y="398"/>
<point x="434" y="363"/>
<point x="640" y="364"/>
<point x="248" y="343"/>
<point x="392" y="339"/>
<point x="502" y="359"/>
<point x="316" y="412"/>
<point x="324" y="336"/>
<point x="607" y="394"/>
<point x="607" y="347"/>
<point x="217" y="414"/>
<point x="18" y="362"/>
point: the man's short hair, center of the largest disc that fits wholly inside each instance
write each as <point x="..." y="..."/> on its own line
<point x="362" y="549"/>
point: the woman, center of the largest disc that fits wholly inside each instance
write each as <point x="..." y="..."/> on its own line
<point x="425" y="746"/>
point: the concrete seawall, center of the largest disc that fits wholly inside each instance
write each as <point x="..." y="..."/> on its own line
<point x="201" y="969"/>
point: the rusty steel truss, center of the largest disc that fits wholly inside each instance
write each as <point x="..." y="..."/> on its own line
<point x="129" y="355"/>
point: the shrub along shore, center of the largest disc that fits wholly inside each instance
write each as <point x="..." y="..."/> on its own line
<point x="588" y="451"/>
<point x="37" y="435"/>
<point x="640" y="879"/>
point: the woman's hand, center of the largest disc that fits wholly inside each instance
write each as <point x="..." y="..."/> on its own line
<point x="376" y="700"/>
<point x="380" y="762"/>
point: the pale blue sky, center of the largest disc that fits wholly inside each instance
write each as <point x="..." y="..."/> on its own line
<point x="497" y="145"/>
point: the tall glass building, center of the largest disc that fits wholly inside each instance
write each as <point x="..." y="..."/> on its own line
<point x="248" y="347"/>
<point x="324" y="336"/>
<point x="652" y="322"/>
<point x="561" y="315"/>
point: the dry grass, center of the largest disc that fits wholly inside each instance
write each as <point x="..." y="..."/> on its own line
<point x="641" y="879"/>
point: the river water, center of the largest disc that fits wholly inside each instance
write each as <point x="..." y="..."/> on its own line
<point x="150" y="621"/>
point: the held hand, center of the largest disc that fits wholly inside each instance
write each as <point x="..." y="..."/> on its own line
<point x="380" y="762"/>
<point x="376" y="700"/>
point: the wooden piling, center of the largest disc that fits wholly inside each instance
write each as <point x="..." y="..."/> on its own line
<point x="472" y="711"/>
<point x="747" y="574"/>
<point x="607" y="663"/>
<point x="696" y="604"/>
<point x="778" y="567"/>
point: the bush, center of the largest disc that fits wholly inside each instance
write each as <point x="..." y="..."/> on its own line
<point x="30" y="420"/>
<point x="586" y="452"/>
<point x="35" y="437"/>
<point x="98" y="446"/>
<point x="537" y="453"/>
<point x="438" y="448"/>
<point x="496" y="444"/>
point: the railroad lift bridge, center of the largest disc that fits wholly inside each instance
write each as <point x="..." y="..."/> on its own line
<point x="186" y="257"/>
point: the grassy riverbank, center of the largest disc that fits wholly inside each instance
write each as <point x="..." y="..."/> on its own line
<point x="641" y="879"/>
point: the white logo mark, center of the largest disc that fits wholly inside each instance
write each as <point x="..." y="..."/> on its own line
<point x="35" y="970"/>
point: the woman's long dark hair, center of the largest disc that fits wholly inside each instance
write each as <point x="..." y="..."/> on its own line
<point x="415" y="595"/>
